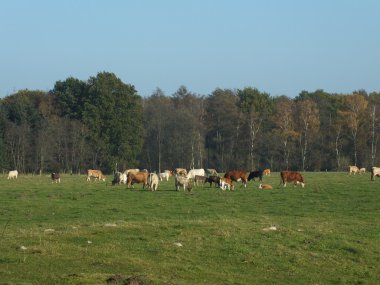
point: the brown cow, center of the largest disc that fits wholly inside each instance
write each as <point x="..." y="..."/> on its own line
<point x="137" y="177"/>
<point x="265" y="186"/>
<point x="55" y="177"/>
<point x="238" y="175"/>
<point x="97" y="174"/>
<point x="226" y="183"/>
<point x="289" y="176"/>
<point x="266" y="172"/>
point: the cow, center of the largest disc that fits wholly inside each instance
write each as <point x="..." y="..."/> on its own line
<point x="211" y="171"/>
<point x="183" y="181"/>
<point x="131" y="170"/>
<point x="353" y="169"/>
<point x="266" y="172"/>
<point x="193" y="172"/>
<point x="137" y="177"/>
<point x="213" y="179"/>
<point x="55" y="177"/>
<point x="265" y="186"/>
<point x="200" y="179"/>
<point x="180" y="171"/>
<point x="375" y="171"/>
<point x="289" y="176"/>
<point x="165" y="175"/>
<point x="252" y="175"/>
<point x="153" y="181"/>
<point x="97" y="174"/>
<point x="362" y="170"/>
<point x="237" y="175"/>
<point x="13" y="174"/>
<point x="119" y="178"/>
<point x="226" y="183"/>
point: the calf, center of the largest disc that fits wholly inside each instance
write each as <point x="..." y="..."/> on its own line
<point x="200" y="179"/>
<point x="265" y="186"/>
<point x="164" y="175"/>
<point x="353" y="169"/>
<point x="153" y="181"/>
<point x="266" y="172"/>
<point x="226" y="183"/>
<point x="55" y="177"/>
<point x="213" y="179"/>
<point x="362" y="170"/>
<point x="289" y="176"/>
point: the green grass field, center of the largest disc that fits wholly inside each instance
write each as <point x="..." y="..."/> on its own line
<point x="77" y="232"/>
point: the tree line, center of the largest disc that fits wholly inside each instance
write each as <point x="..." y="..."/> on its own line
<point x="102" y="123"/>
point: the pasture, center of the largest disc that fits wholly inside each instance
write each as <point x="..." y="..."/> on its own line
<point x="77" y="232"/>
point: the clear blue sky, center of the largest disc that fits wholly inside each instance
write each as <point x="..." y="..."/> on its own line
<point x="278" y="46"/>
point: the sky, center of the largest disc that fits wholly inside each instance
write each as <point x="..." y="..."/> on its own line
<point x="281" y="47"/>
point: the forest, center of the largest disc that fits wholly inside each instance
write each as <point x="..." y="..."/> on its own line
<point x="103" y="123"/>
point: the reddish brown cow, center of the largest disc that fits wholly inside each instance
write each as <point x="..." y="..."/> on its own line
<point x="238" y="175"/>
<point x="289" y="176"/>
<point x="137" y="177"/>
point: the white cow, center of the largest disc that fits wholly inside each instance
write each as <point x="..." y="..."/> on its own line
<point x="165" y="175"/>
<point x="153" y="181"/>
<point x="12" y="174"/>
<point x="375" y="171"/>
<point x="193" y="172"/>
<point x="353" y="169"/>
<point x="182" y="181"/>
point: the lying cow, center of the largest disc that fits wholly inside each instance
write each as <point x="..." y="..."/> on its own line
<point x="375" y="171"/>
<point x="255" y="174"/>
<point x="137" y="177"/>
<point x="182" y="181"/>
<point x="13" y="174"/>
<point x="55" y="177"/>
<point x="265" y="186"/>
<point x="213" y="179"/>
<point x="153" y="181"/>
<point x="226" y="183"/>
<point x="237" y="175"/>
<point x="289" y="176"/>
<point x="97" y="174"/>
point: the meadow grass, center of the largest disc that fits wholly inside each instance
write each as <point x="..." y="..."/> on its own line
<point x="78" y="232"/>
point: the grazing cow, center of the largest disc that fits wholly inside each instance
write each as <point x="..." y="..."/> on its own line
<point x="375" y="171"/>
<point x="265" y="186"/>
<point x="211" y="171"/>
<point x="194" y="172"/>
<point x="180" y="171"/>
<point x="137" y="177"/>
<point x="266" y="172"/>
<point x="182" y="181"/>
<point x="55" y="177"/>
<point x="353" y="169"/>
<point x="226" y="183"/>
<point x="12" y="174"/>
<point x="253" y="174"/>
<point x="362" y="170"/>
<point x="97" y="174"/>
<point x="153" y="181"/>
<point x="289" y="176"/>
<point x="200" y="179"/>
<point x="237" y="175"/>
<point x="213" y="179"/>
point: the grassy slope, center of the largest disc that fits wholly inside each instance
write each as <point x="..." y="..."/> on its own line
<point x="327" y="233"/>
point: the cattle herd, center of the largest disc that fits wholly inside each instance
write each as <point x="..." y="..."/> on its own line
<point x="186" y="180"/>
